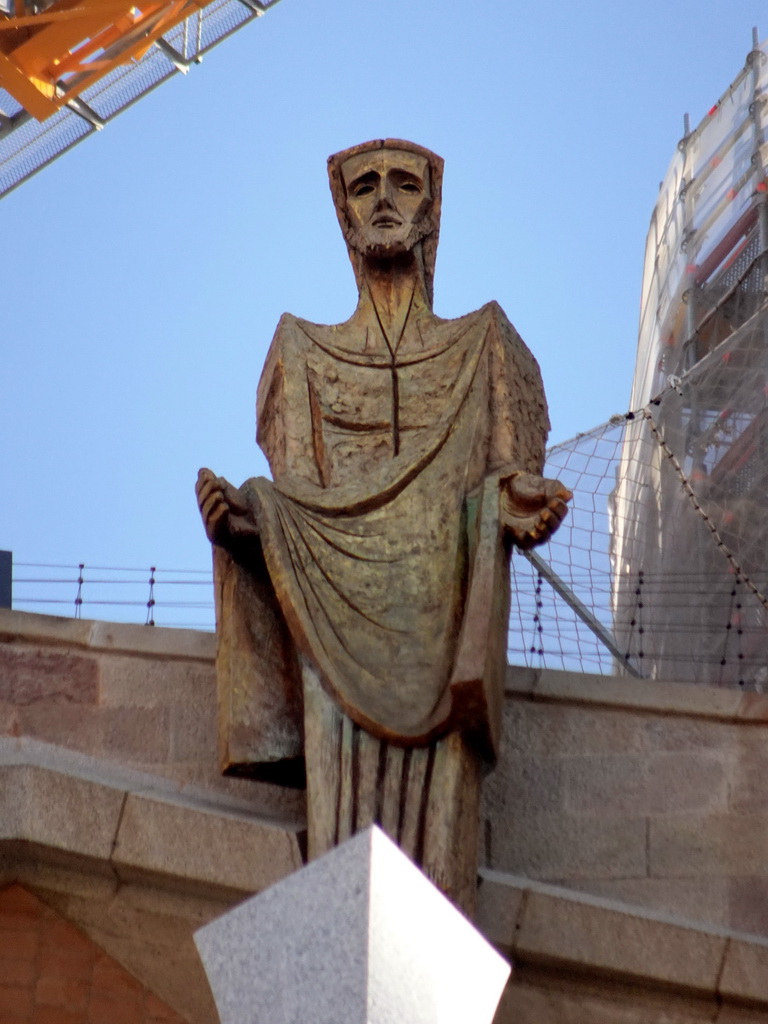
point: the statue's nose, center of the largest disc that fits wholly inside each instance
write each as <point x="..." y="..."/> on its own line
<point x="385" y="198"/>
<point x="385" y="195"/>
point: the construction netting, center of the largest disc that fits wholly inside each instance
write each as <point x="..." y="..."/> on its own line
<point x="704" y="268"/>
<point x="661" y="570"/>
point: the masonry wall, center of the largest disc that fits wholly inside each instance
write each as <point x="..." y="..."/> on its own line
<point x="136" y="696"/>
<point x="653" y="794"/>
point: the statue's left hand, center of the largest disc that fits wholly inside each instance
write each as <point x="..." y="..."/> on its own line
<point x="532" y="507"/>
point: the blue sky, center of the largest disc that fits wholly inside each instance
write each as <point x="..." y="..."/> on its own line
<point x="145" y="270"/>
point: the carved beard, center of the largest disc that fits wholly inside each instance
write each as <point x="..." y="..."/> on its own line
<point x="387" y="250"/>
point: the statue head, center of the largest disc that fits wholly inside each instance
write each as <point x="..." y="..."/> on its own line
<point x="387" y="195"/>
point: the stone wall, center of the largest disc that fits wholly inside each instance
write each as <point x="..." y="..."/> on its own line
<point x="135" y="696"/>
<point x="652" y="793"/>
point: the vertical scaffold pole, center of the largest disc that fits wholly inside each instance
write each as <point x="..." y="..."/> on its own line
<point x="6" y="579"/>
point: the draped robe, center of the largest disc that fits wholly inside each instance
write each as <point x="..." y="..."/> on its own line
<point x="382" y="567"/>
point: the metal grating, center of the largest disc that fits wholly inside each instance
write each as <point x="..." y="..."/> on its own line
<point x="27" y="145"/>
<point x="31" y="145"/>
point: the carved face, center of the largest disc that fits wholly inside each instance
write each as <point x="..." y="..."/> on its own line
<point x="388" y="201"/>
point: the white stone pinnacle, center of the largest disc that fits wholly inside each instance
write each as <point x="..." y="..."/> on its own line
<point x="359" y="936"/>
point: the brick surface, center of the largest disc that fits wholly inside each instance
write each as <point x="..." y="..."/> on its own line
<point x="16" y="900"/>
<point x="15" y="999"/>
<point x="115" y="982"/>
<point x="62" y="977"/>
<point x="18" y="946"/>
<point x="104" y="1010"/>
<point x="58" y="1015"/>
<point x="65" y="992"/>
<point x="32" y="676"/>
<point x="59" y="962"/>
<point x="17" y="972"/>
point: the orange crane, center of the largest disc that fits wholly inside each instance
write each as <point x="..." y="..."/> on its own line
<point x="50" y="56"/>
<point x="88" y="59"/>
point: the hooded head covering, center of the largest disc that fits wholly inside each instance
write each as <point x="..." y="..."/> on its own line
<point x="429" y="242"/>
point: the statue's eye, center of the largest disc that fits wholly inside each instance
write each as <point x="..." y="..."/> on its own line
<point x="411" y="187"/>
<point x="363" y="189"/>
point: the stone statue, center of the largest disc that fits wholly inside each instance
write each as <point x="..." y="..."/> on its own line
<point x="362" y="595"/>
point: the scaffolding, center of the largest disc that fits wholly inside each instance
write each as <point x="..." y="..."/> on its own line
<point x="67" y="67"/>
<point x="700" y="438"/>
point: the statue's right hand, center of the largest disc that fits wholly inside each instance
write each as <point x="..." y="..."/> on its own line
<point x="225" y="513"/>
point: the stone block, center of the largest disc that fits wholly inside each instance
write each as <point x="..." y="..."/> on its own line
<point x="546" y="998"/>
<point x="672" y="698"/>
<point x="730" y="1014"/>
<point x="209" y="846"/>
<point x="58" y="811"/>
<point x="184" y="644"/>
<point x="520" y="680"/>
<point x="30" y="626"/>
<point x="559" y="929"/>
<point x="559" y="730"/>
<point x="30" y="675"/>
<point x="498" y="908"/>
<point x="157" y="1012"/>
<point x="748" y="904"/>
<point x="10" y="719"/>
<point x="753" y="707"/>
<point x="146" y="682"/>
<point x="521" y="785"/>
<point x="634" y="784"/>
<point x="57" y="884"/>
<point x="675" y="732"/>
<point x="358" y="937"/>
<point x="78" y="728"/>
<point x="172" y="971"/>
<point x="749" y="781"/>
<point x="193" y="731"/>
<point x="137" y="734"/>
<point x="151" y="904"/>
<point x="691" y="845"/>
<point x="745" y="971"/>
<point x="552" y="845"/>
<point x="706" y="900"/>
